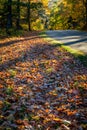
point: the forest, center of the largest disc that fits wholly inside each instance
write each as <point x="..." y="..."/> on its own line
<point x="43" y="64"/>
<point x="43" y="14"/>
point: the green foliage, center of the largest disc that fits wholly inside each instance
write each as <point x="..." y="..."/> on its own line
<point x="83" y="59"/>
<point x="6" y="105"/>
<point x="49" y="71"/>
<point x="67" y="14"/>
<point x="12" y="73"/>
<point x="9" y="90"/>
<point x="13" y="33"/>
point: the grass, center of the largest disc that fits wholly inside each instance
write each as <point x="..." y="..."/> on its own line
<point x="77" y="54"/>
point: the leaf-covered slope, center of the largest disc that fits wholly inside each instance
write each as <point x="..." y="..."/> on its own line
<point x="43" y="87"/>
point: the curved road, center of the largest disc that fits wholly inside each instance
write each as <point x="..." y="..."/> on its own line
<point x="73" y="38"/>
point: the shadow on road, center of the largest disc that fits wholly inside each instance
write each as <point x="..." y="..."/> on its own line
<point x="75" y="39"/>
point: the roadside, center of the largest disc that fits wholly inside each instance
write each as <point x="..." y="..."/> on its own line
<point x="72" y="38"/>
<point x="76" y="45"/>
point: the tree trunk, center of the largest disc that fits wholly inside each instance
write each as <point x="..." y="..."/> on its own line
<point x="18" y="15"/>
<point x="85" y="5"/>
<point x="9" y="16"/>
<point x="28" y="12"/>
<point x="86" y="10"/>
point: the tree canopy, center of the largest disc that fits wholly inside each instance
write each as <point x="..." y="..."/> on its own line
<point x="43" y="14"/>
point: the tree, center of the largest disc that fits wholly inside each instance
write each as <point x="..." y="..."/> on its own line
<point x="29" y="15"/>
<point x="2" y="13"/>
<point x="62" y="12"/>
<point x="18" y="15"/>
<point x="9" y="15"/>
<point x="85" y="5"/>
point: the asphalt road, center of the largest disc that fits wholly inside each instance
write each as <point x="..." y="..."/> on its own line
<point x="73" y="38"/>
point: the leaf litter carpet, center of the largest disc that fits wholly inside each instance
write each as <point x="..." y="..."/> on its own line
<point x="42" y="87"/>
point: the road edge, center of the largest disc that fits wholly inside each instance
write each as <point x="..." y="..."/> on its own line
<point x="76" y="53"/>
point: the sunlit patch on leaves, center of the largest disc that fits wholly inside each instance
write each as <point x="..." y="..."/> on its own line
<point x="1" y="104"/>
<point x="49" y="70"/>
<point x="12" y="73"/>
<point x="54" y="93"/>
